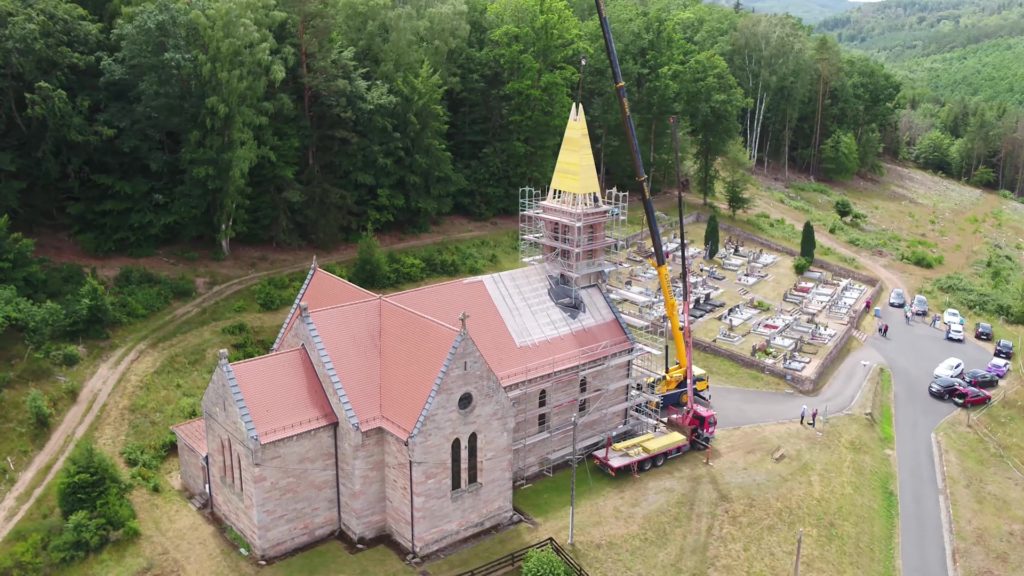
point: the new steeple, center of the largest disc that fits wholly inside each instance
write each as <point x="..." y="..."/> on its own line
<point x="575" y="183"/>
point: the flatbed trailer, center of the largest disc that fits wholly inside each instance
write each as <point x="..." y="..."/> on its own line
<point x="641" y="453"/>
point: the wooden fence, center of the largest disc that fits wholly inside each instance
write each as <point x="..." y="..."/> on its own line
<point x="509" y="561"/>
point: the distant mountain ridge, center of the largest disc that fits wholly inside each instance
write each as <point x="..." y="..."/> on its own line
<point x="937" y="44"/>
<point x="810" y="11"/>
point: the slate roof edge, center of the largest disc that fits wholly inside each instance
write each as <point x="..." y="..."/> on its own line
<point x="295" y="305"/>
<point x="321" y="351"/>
<point x="428" y="404"/>
<point x="618" y="316"/>
<point x="236" y="394"/>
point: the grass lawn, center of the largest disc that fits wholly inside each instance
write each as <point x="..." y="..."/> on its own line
<point x="740" y="516"/>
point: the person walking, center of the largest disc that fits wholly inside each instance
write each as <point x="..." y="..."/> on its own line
<point x="885" y="330"/>
<point x="803" y="414"/>
<point x="814" y="417"/>
<point x="907" y="316"/>
<point x="880" y="324"/>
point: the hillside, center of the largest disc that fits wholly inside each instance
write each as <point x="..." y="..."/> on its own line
<point x="810" y="11"/>
<point x="938" y="43"/>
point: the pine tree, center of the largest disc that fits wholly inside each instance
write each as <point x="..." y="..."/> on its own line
<point x="807" y="242"/>
<point x="711" y="236"/>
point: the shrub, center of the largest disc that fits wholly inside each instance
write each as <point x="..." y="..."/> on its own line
<point x="811" y="187"/>
<point x="543" y="562"/>
<point x="921" y="258"/>
<point x="405" y="268"/>
<point x="236" y="329"/>
<point x="65" y="355"/>
<point x="38" y="406"/>
<point x="273" y="293"/>
<point x="70" y="388"/>
<point x="844" y="208"/>
<point x="801" y="265"/>
<point x="371" y="267"/>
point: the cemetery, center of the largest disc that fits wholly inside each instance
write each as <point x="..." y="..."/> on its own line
<point x="746" y="303"/>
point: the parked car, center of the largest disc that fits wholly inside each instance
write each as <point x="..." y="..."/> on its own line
<point x="981" y="378"/>
<point x="1004" y="349"/>
<point x="949" y="368"/>
<point x="944" y="388"/>
<point x="998" y="367"/>
<point x="983" y="331"/>
<point x="955" y="332"/>
<point x="897" y="299"/>
<point x="971" y="396"/>
<point x="951" y="316"/>
<point x="920" y="306"/>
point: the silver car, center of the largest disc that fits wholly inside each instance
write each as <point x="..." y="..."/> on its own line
<point x="920" y="306"/>
<point x="897" y="299"/>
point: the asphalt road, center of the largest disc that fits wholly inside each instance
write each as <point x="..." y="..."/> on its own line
<point x="911" y="353"/>
<point x="743" y="407"/>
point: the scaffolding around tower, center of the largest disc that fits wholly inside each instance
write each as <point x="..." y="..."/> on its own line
<point x="573" y="240"/>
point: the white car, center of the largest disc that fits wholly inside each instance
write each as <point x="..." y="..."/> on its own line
<point x="955" y="332"/>
<point x="950" y="368"/>
<point x="951" y="316"/>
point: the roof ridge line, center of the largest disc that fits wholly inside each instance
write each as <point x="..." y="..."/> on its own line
<point x="267" y="355"/>
<point x="425" y="286"/>
<point x="344" y="304"/>
<point x="187" y="422"/>
<point x="420" y="314"/>
<point x="349" y="282"/>
<point x="332" y="374"/>
<point x="428" y="403"/>
<point x="295" y="305"/>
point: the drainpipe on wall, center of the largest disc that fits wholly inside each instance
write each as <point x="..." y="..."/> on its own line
<point x="209" y="482"/>
<point x="412" y="516"/>
<point x="337" y="480"/>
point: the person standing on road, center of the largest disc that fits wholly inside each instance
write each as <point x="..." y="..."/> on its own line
<point x="885" y="330"/>
<point x="814" y="417"/>
<point x="803" y="414"/>
<point x="907" y="315"/>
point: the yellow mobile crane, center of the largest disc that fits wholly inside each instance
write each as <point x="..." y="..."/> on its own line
<point x="679" y="380"/>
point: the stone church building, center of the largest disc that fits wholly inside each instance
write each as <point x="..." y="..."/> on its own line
<point x="413" y="415"/>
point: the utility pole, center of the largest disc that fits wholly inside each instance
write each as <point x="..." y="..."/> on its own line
<point x="799" y="541"/>
<point x="572" y="485"/>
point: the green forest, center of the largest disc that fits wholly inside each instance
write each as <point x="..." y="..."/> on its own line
<point x="136" y="123"/>
<point x="961" y="63"/>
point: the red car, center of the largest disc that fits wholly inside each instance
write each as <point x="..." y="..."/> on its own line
<point x="971" y="396"/>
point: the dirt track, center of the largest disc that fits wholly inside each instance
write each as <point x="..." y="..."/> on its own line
<point x="98" y="387"/>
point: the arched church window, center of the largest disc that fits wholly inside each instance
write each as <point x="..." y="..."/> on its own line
<point x="456" y="464"/>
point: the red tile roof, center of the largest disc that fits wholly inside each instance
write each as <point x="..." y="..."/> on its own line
<point x="386" y="357"/>
<point x="511" y="363"/>
<point x="323" y="289"/>
<point x="193" y="434"/>
<point x="351" y="336"/>
<point x="388" y="351"/>
<point x="283" y="394"/>
<point x="414" y="350"/>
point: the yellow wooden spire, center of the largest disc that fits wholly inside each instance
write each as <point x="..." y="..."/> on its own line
<point x="575" y="173"/>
